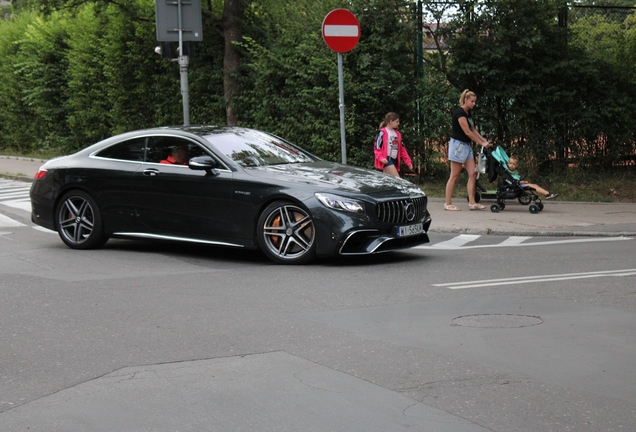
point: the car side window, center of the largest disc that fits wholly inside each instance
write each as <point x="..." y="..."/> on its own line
<point x="130" y="150"/>
<point x="160" y="147"/>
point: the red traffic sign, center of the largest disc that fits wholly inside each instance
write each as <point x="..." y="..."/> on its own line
<point x="341" y="30"/>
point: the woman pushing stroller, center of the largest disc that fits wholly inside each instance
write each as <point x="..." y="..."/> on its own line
<point x="460" y="152"/>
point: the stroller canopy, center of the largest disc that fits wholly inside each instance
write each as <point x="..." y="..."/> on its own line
<point x="500" y="155"/>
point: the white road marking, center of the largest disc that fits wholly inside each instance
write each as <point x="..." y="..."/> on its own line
<point x="8" y="222"/>
<point x="581" y="240"/>
<point x="8" y="195"/>
<point x="46" y="230"/>
<point x="458" y="242"/>
<point x="514" y="241"/>
<point x="14" y="191"/>
<point x="533" y="279"/>
<point x="454" y="243"/>
<point x="24" y="204"/>
<point x="6" y="186"/>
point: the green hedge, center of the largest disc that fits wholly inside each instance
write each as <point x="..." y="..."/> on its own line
<point x="73" y="77"/>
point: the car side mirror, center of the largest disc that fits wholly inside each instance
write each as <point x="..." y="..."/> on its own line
<point x="204" y="163"/>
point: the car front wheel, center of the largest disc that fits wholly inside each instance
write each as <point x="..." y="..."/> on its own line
<point x="79" y="222"/>
<point x="286" y="233"/>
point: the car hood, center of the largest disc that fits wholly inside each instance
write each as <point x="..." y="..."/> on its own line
<point x="337" y="177"/>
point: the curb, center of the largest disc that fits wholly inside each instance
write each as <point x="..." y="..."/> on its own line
<point x="23" y="158"/>
<point x="490" y="231"/>
<point x="16" y="177"/>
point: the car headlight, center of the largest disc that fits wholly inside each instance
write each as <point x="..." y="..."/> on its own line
<point x="340" y="203"/>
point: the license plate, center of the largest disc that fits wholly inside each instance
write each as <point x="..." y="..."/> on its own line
<point x="410" y="230"/>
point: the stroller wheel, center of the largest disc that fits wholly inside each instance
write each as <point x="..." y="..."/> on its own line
<point x="524" y="199"/>
<point x="540" y="206"/>
<point x="494" y="208"/>
<point x="502" y="205"/>
<point x="534" y="209"/>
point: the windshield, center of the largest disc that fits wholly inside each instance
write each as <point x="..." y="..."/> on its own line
<point x="251" y="148"/>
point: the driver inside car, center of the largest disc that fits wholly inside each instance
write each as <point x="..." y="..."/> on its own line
<point x="178" y="156"/>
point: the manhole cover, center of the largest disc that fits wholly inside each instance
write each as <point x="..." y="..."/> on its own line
<point x="497" y="321"/>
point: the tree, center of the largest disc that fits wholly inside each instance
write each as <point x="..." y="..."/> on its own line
<point x="510" y="52"/>
<point x="542" y="97"/>
<point x="230" y="24"/>
<point x="40" y="65"/>
<point x="14" y="110"/>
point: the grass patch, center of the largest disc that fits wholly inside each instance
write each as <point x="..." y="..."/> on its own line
<point x="33" y="155"/>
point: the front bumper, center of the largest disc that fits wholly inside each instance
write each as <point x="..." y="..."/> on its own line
<point x="370" y="241"/>
<point x="342" y="234"/>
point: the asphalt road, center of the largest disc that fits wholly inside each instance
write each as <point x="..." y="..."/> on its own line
<point x="470" y="333"/>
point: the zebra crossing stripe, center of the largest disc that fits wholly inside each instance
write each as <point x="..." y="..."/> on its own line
<point x="6" y="222"/>
<point x="13" y="191"/>
<point x="454" y="243"/>
<point x="4" y="196"/>
<point x="514" y="240"/>
<point x="460" y="242"/>
<point x="23" y="204"/>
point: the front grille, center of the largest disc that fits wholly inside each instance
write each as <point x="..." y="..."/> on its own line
<point x="394" y="212"/>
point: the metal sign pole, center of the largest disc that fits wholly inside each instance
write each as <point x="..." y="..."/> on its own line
<point x="183" y="70"/>
<point x="343" y="141"/>
<point x="341" y="32"/>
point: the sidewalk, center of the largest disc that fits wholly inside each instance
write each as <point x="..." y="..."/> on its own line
<point x="558" y="218"/>
<point x="19" y="168"/>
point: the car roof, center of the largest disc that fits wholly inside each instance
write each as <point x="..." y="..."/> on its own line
<point x="203" y="130"/>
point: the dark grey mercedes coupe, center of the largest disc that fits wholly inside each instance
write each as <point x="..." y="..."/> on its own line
<point x="226" y="186"/>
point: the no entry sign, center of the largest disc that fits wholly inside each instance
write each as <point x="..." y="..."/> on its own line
<point x="341" y="30"/>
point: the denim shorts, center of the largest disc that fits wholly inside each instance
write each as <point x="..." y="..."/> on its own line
<point x="459" y="151"/>
<point x="391" y="161"/>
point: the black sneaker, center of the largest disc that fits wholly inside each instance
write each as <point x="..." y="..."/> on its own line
<point x="551" y="195"/>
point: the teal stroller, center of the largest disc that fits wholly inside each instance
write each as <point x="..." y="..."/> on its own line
<point x="508" y="185"/>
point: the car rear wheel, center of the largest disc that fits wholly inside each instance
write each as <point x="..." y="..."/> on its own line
<point x="79" y="222"/>
<point x="286" y="234"/>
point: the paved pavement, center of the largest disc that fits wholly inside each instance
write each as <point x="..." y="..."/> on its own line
<point x="558" y="218"/>
<point x="19" y="168"/>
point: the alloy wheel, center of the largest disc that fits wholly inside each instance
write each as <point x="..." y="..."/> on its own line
<point x="79" y="222"/>
<point x="287" y="233"/>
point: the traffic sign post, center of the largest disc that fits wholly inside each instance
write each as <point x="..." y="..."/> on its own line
<point x="180" y="20"/>
<point x="341" y="33"/>
<point x="341" y="30"/>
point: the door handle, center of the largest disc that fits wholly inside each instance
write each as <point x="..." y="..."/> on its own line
<point x="151" y="172"/>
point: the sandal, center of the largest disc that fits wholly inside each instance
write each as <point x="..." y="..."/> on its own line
<point x="451" y="207"/>
<point x="551" y="195"/>
<point x="476" y="207"/>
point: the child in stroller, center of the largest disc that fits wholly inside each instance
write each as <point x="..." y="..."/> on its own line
<point x="510" y="185"/>
<point x="513" y="164"/>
